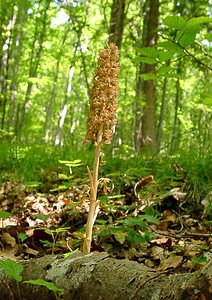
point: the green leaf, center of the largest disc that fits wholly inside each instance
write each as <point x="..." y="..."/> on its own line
<point x="150" y="219"/>
<point x="207" y="101"/>
<point x="12" y="268"/>
<point x="41" y="217"/>
<point x="209" y="36"/>
<point x="4" y="214"/>
<point x="45" y="283"/>
<point x="164" y="70"/>
<point x="198" y="21"/>
<point x="148" y="76"/>
<point x="187" y="39"/>
<point x="135" y="221"/>
<point x="103" y="222"/>
<point x="147" y="60"/>
<point x="176" y="22"/>
<point x="149" y="51"/>
<point x="165" y="55"/>
<point x="70" y="253"/>
<point x="22" y="236"/>
<point x="120" y="236"/>
<point x="171" y="75"/>
<point x="187" y="36"/>
<point x="199" y="259"/>
<point x="63" y="176"/>
<point x="171" y="46"/>
<point x="134" y="237"/>
<point x="73" y="163"/>
<point x="32" y="184"/>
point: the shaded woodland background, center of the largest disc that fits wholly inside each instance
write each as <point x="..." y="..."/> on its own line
<point x="48" y="55"/>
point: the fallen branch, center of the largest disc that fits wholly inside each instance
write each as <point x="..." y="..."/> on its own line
<point x="98" y="276"/>
<point x="182" y="236"/>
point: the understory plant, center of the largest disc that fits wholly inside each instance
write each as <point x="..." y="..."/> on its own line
<point x="14" y="270"/>
<point x="101" y="123"/>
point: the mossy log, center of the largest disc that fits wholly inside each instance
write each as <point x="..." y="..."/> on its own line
<point x="96" y="276"/>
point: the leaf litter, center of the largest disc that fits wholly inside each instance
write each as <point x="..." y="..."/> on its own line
<point x="138" y="221"/>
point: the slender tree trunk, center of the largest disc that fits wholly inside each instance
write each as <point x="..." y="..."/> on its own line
<point x="64" y="110"/>
<point x="137" y="106"/>
<point x="149" y="88"/>
<point x="85" y="71"/>
<point x="117" y="19"/>
<point x="117" y="22"/>
<point x="39" y="36"/>
<point x="14" y="67"/>
<point x="145" y="127"/>
<point x="136" y="112"/>
<point x="162" y="113"/>
<point x="4" y="76"/>
<point x="54" y="89"/>
<point x="175" y="132"/>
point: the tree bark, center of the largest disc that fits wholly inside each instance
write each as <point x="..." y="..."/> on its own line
<point x="117" y="22"/>
<point x="162" y="113"/>
<point x="97" y="276"/>
<point x="4" y="64"/>
<point x="149" y="88"/>
<point x="145" y="98"/>
<point x="14" y="69"/>
<point x="175" y="139"/>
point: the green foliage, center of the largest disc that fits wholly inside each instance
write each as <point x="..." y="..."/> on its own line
<point x="4" y="214"/>
<point x="176" y="22"/>
<point x="199" y="259"/>
<point x="133" y="230"/>
<point x="45" y="283"/>
<point x="22" y="236"/>
<point x="172" y="48"/>
<point x="54" y="233"/>
<point x="14" y="270"/>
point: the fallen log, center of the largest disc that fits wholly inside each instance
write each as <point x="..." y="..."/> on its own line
<point x="97" y="276"/>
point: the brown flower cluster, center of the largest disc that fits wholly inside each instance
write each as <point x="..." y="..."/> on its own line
<point x="103" y="97"/>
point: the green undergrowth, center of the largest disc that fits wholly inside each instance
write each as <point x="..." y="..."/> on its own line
<point x="36" y="163"/>
<point x="46" y="170"/>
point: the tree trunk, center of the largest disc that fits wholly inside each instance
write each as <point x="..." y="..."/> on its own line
<point x="175" y="132"/>
<point x="117" y="22"/>
<point x="17" y="45"/>
<point x="4" y="65"/>
<point x="117" y="19"/>
<point x="162" y="113"/>
<point x="149" y="89"/>
<point x="97" y="276"/>
<point x="54" y="89"/>
<point x="39" y="35"/>
<point x="145" y="127"/>
<point x="65" y="105"/>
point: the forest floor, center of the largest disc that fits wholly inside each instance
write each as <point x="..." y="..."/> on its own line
<point x="165" y="227"/>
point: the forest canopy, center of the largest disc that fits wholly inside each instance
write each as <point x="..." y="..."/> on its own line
<point x="49" y="51"/>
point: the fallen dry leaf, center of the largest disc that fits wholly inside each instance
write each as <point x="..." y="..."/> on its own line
<point x="158" y="253"/>
<point x="30" y="251"/>
<point x="173" y="261"/>
<point x="7" y="239"/>
<point x="163" y="242"/>
<point x="178" y="195"/>
<point x="10" y="252"/>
